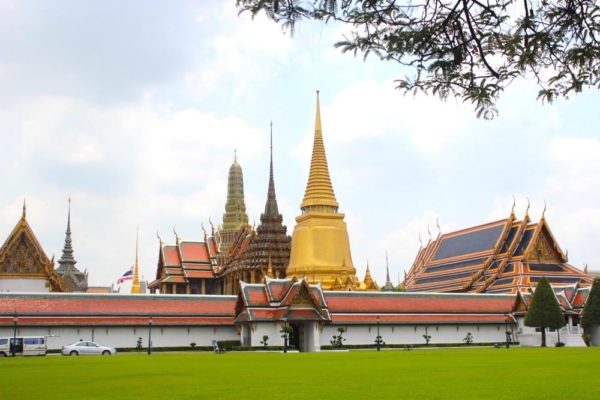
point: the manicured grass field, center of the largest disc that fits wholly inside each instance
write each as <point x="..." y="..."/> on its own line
<point x="422" y="374"/>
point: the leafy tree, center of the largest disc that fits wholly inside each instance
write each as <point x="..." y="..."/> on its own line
<point x="544" y="311"/>
<point x="339" y="339"/>
<point x="427" y="337"/>
<point x="471" y="49"/>
<point x="591" y="310"/>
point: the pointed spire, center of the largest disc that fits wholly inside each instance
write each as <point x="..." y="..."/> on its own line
<point x="387" y="268"/>
<point x="368" y="278"/>
<point x="135" y="286"/>
<point x="67" y="260"/>
<point x="271" y="208"/>
<point x="24" y="214"/>
<point x="388" y="282"/>
<point x="319" y="191"/>
<point x="527" y="209"/>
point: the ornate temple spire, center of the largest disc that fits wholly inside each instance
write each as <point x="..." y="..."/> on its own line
<point x="368" y="279"/>
<point x="24" y="214"/>
<point x="388" y="282"/>
<point x="67" y="260"/>
<point x="271" y="208"/>
<point x="135" y="286"/>
<point x="319" y="191"/>
<point x="235" y="209"/>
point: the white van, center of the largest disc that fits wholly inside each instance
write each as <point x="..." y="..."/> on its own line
<point x="23" y="346"/>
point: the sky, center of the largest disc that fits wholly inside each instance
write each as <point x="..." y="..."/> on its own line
<point x="133" y="109"/>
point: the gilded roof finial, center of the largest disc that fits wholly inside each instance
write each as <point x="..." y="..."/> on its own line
<point x="24" y="214"/>
<point x="234" y="155"/>
<point x="429" y="232"/>
<point x="544" y="211"/>
<point x="159" y="238"/>
<point x="203" y="230"/>
<point x="585" y="269"/>
<point x="527" y="209"/>
<point x="420" y="240"/>
<point x="176" y="236"/>
<point x="212" y="227"/>
<point x="512" y="210"/>
<point x="437" y="222"/>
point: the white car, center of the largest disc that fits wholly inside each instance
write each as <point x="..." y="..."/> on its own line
<point x="87" y="348"/>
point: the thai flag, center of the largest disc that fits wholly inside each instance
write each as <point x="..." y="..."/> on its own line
<point x="127" y="276"/>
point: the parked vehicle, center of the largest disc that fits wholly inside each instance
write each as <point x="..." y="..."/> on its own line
<point x="23" y="346"/>
<point x="87" y="348"/>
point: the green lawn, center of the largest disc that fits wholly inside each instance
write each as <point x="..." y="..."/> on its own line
<point x="424" y="374"/>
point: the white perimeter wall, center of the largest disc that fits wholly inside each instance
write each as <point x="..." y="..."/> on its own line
<point x="128" y="336"/>
<point x="24" y="285"/>
<point x="413" y="334"/>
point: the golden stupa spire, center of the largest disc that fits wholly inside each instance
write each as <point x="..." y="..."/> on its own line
<point x="135" y="286"/>
<point x="319" y="191"/>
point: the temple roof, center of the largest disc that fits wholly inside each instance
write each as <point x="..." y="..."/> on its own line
<point x="184" y="261"/>
<point x="497" y="257"/>
<point x="279" y="299"/>
<point x="115" y="309"/>
<point x="22" y="255"/>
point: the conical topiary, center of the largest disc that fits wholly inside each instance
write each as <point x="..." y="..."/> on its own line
<point x="544" y="311"/>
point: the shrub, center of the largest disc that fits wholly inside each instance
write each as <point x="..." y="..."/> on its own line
<point x="591" y="310"/>
<point x="193" y="345"/>
<point x="544" y="310"/>
<point x="264" y="341"/>
<point x="468" y="339"/>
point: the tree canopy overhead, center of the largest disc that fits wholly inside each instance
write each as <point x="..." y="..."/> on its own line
<point x="471" y="49"/>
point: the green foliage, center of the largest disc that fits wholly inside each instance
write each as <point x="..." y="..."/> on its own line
<point x="427" y="338"/>
<point x="468" y="338"/>
<point x="332" y="375"/>
<point x="193" y="345"/>
<point x="544" y="310"/>
<point x="339" y="339"/>
<point x="138" y="344"/>
<point x="264" y="341"/>
<point x="591" y="310"/>
<point x="463" y="48"/>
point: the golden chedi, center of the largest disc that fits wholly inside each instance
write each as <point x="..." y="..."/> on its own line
<point x="320" y="245"/>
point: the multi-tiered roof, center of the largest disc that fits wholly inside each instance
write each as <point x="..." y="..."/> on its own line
<point x="505" y="256"/>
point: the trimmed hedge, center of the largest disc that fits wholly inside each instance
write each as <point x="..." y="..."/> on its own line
<point x="413" y="346"/>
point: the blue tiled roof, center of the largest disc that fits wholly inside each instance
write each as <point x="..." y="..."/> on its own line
<point x="471" y="242"/>
<point x="455" y="265"/>
<point x="442" y="278"/>
<point x="546" y="267"/>
<point x="527" y="235"/>
<point x="509" y="238"/>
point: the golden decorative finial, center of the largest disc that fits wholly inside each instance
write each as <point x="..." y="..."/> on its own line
<point x="566" y="255"/>
<point x="429" y="232"/>
<point x="176" y="236"/>
<point x="203" y="230"/>
<point x="585" y="269"/>
<point x="544" y="211"/>
<point x="135" y="286"/>
<point x="420" y="240"/>
<point x="212" y="227"/>
<point x="512" y="210"/>
<point x="319" y="191"/>
<point x="159" y="238"/>
<point x="527" y="209"/>
<point x="235" y="155"/>
<point x="437" y="222"/>
<point x="24" y="214"/>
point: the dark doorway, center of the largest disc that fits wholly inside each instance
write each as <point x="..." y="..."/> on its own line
<point x="297" y="337"/>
